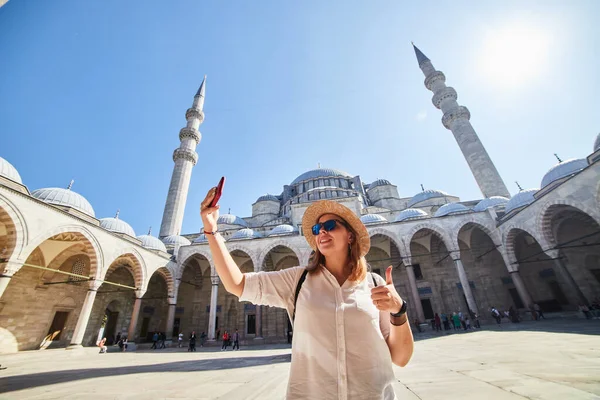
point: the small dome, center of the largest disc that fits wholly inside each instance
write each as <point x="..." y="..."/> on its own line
<point x="201" y="239"/>
<point x="520" y="199"/>
<point x="64" y="198"/>
<point x="320" y="173"/>
<point x="267" y="197"/>
<point x="372" y="219"/>
<point x="245" y="233"/>
<point x="379" y="182"/>
<point x="230" y="219"/>
<point x="117" y="225"/>
<point x="284" y="229"/>
<point x="410" y="213"/>
<point x="8" y="171"/>
<point x="426" y="195"/>
<point x="564" y="169"/>
<point x="490" y="202"/>
<point x="597" y="143"/>
<point x="450" y="208"/>
<point x="174" y="240"/>
<point x="152" y="243"/>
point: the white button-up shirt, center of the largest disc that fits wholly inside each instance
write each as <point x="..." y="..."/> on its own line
<point x="339" y="348"/>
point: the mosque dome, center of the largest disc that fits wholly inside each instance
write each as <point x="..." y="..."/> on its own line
<point x="230" y="219"/>
<point x="152" y="243"/>
<point x="520" y="199"/>
<point x="8" y="171"/>
<point x="450" y="208"/>
<point x="426" y="195"/>
<point x="410" y="213"/>
<point x="283" y="229"/>
<point x="65" y="198"/>
<point x="245" y="233"/>
<point x="379" y="182"/>
<point x="176" y="240"/>
<point x="320" y="173"/>
<point x="490" y="202"/>
<point x="117" y="225"/>
<point x="564" y="169"/>
<point x="267" y="197"/>
<point x="201" y="239"/>
<point x="368" y="219"/>
<point x="597" y="143"/>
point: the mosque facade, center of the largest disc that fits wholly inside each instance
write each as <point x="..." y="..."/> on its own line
<point x="68" y="278"/>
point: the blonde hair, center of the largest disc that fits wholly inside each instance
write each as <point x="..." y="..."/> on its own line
<point x="357" y="264"/>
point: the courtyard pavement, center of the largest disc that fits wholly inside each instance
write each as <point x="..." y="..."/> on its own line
<point x="557" y="359"/>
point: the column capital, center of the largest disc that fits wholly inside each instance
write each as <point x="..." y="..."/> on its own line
<point x="552" y="253"/>
<point x="172" y="301"/>
<point x="215" y="280"/>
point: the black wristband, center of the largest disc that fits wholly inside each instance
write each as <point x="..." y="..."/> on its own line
<point x="402" y="310"/>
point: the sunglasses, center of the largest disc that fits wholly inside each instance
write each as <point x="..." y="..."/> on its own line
<point x="327" y="225"/>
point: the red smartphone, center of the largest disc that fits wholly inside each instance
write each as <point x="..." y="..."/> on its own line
<point x="218" y="193"/>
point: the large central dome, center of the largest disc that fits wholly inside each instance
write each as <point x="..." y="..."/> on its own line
<point x="321" y="173"/>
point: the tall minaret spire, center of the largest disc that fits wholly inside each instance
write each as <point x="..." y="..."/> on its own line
<point x="185" y="158"/>
<point x="456" y="118"/>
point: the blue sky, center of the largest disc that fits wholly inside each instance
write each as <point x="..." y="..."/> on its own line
<point x="97" y="92"/>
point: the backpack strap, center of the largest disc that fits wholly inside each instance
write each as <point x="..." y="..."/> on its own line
<point x="298" y="287"/>
<point x="374" y="280"/>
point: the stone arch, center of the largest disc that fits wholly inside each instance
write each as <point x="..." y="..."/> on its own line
<point x="508" y="239"/>
<point x="389" y="234"/>
<point x="201" y="255"/>
<point x="133" y="260"/>
<point x="237" y="253"/>
<point x="93" y="248"/>
<point x="168" y="277"/>
<point x="550" y="209"/>
<point x="445" y="238"/>
<point x="271" y="246"/>
<point x="15" y="227"/>
<point x="489" y="229"/>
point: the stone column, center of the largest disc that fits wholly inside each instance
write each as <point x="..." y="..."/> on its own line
<point x="559" y="261"/>
<point x="171" y="318"/>
<point x="414" y="291"/>
<point x="464" y="281"/>
<point x="212" y="316"/>
<point x="4" y="281"/>
<point x="84" y="316"/>
<point x="134" y="319"/>
<point x="258" y="322"/>
<point x="520" y="286"/>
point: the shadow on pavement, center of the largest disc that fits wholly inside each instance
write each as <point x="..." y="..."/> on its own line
<point x="28" y="381"/>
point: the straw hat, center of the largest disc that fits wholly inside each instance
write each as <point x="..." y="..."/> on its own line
<point x="321" y="207"/>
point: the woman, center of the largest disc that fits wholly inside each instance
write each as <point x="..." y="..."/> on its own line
<point x="348" y="329"/>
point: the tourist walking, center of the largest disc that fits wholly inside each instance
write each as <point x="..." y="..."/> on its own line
<point x="162" y="338"/>
<point x="102" y="345"/>
<point x="335" y="294"/>
<point x="445" y="322"/>
<point x="154" y="340"/>
<point x="438" y="322"/>
<point x="538" y="310"/>
<point x="496" y="315"/>
<point x="236" y="340"/>
<point x="192" y="344"/>
<point x="456" y="321"/>
<point x="225" y="341"/>
<point x="202" y="339"/>
<point x="180" y="339"/>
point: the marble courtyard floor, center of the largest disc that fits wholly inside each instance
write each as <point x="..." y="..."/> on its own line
<point x="554" y="359"/>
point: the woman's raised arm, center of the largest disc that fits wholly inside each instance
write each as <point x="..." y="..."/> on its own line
<point x="227" y="269"/>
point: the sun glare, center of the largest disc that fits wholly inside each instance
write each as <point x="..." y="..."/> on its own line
<point x="514" y="54"/>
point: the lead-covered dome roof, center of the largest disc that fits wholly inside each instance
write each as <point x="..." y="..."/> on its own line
<point x="152" y="243"/>
<point x="523" y="198"/>
<point x="410" y="213"/>
<point x="564" y="169"/>
<point x="321" y="173"/>
<point x="426" y="195"/>
<point x="283" y="229"/>
<point x="451" y="208"/>
<point x="372" y="219"/>
<point x="230" y="219"/>
<point x="173" y="240"/>
<point x="490" y="202"/>
<point x="8" y="171"/>
<point x="267" y="197"/>
<point x="117" y="225"/>
<point x="65" y="198"/>
<point x="245" y="233"/>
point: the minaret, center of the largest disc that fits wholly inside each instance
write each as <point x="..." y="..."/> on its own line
<point x="185" y="158"/>
<point x="456" y="118"/>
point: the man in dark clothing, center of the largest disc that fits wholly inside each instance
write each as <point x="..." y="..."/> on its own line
<point x="236" y="340"/>
<point x="154" y="340"/>
<point x="192" y="341"/>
